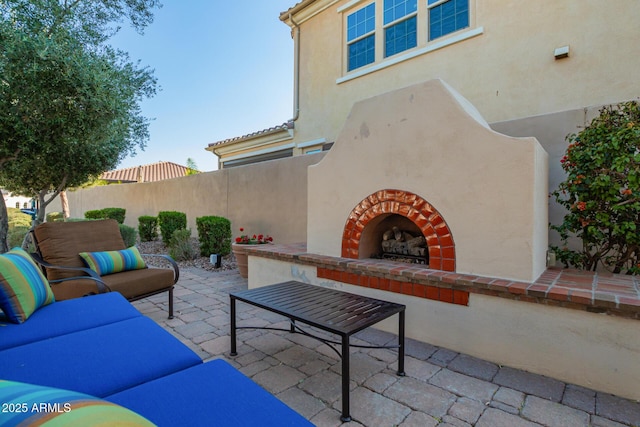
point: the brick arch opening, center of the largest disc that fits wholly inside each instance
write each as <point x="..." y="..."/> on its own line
<point x="442" y="254"/>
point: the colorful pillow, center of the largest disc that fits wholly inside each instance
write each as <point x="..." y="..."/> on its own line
<point x="26" y="404"/>
<point x="113" y="261"/>
<point x="23" y="287"/>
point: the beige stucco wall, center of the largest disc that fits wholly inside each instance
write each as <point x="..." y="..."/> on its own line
<point x="551" y="130"/>
<point x="490" y="189"/>
<point x="593" y="350"/>
<point x="268" y="198"/>
<point x="508" y="71"/>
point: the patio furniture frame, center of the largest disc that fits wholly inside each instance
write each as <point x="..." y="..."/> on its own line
<point x="330" y="310"/>
<point x="63" y="241"/>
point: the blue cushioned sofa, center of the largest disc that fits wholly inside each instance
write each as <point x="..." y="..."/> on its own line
<point x="102" y="346"/>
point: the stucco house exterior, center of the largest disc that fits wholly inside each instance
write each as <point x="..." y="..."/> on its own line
<point x="540" y="69"/>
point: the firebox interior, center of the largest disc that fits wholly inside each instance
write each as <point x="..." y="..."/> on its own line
<point x="372" y="235"/>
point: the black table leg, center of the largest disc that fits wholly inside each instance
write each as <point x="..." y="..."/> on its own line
<point x="232" y="305"/>
<point x="401" y="344"/>
<point x="346" y="417"/>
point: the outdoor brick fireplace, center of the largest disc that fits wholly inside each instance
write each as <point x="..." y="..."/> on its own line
<point x="387" y="208"/>
<point x="423" y="159"/>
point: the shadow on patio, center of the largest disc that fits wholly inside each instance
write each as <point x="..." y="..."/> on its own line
<point x="442" y="387"/>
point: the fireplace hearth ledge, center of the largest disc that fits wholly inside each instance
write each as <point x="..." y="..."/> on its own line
<point x="616" y="295"/>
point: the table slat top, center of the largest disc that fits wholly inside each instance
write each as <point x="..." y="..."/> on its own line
<point x="328" y="309"/>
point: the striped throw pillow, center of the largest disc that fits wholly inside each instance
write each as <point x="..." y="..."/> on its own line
<point x="110" y="262"/>
<point x="33" y="405"/>
<point x="23" y="287"/>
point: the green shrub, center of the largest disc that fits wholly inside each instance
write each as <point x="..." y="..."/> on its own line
<point x="55" y="217"/>
<point x="148" y="228"/>
<point x="94" y="214"/>
<point x="129" y="235"/>
<point x="180" y="247"/>
<point x="16" y="235"/>
<point x="170" y="221"/>
<point x="16" y="218"/>
<point x="214" y="233"/>
<point x="115" y="213"/>
<point x="602" y="193"/>
<point x="107" y="213"/>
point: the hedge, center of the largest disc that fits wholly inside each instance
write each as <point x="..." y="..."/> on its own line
<point x="214" y="233"/>
<point x="170" y="221"/>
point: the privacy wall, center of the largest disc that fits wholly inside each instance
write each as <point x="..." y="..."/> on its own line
<point x="268" y="198"/>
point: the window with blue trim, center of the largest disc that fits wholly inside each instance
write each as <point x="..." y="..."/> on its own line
<point x="400" y="22"/>
<point x="383" y="32"/>
<point x="447" y="16"/>
<point x="361" y="27"/>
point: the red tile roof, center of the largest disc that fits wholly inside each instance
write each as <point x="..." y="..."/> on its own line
<point x="285" y="126"/>
<point x="146" y="173"/>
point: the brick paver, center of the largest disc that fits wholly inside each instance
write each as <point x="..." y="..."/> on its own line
<point x="442" y="387"/>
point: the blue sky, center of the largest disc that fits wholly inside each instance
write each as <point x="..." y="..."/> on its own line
<point x="224" y="69"/>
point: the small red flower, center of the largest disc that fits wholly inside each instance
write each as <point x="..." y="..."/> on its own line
<point x="256" y="239"/>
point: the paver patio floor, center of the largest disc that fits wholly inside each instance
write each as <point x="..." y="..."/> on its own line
<point x="441" y="388"/>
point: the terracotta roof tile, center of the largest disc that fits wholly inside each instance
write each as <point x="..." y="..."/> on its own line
<point x="146" y="173"/>
<point x="285" y="126"/>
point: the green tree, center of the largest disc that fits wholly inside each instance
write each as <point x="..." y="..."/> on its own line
<point x="90" y="22"/>
<point x="602" y="193"/>
<point x="69" y="104"/>
<point x="192" y="167"/>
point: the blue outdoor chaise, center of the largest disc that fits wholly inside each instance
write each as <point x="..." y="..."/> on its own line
<point x="97" y="359"/>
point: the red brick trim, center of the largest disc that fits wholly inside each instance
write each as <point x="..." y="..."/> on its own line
<point x="442" y="254"/>
<point x="612" y="294"/>
<point x="452" y="296"/>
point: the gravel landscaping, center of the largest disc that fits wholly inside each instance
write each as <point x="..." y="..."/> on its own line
<point x="157" y="247"/>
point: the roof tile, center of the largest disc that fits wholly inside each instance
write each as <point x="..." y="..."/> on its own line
<point x="146" y="173"/>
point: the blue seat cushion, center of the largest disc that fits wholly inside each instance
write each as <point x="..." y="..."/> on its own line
<point x="100" y="361"/>
<point x="64" y="317"/>
<point x="213" y="393"/>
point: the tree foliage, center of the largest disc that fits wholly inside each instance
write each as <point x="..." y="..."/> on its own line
<point x="602" y="193"/>
<point x="192" y="167"/>
<point x="69" y="104"/>
<point x="90" y="22"/>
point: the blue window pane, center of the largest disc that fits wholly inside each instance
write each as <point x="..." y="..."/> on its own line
<point x="462" y="19"/>
<point x="361" y="53"/>
<point x="400" y="37"/>
<point x="448" y="17"/>
<point x="397" y="9"/>
<point x="361" y="22"/>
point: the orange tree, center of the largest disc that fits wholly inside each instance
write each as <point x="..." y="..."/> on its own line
<point x="602" y="193"/>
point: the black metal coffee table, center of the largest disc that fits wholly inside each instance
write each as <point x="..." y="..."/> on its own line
<point x="330" y="310"/>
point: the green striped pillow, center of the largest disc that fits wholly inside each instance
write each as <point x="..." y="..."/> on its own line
<point x="113" y="261"/>
<point x="23" y="287"/>
<point x="34" y="405"/>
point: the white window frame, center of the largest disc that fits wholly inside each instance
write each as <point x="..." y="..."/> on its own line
<point x="395" y="22"/>
<point x="361" y="36"/>
<point x="439" y="3"/>
<point x="424" y="45"/>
